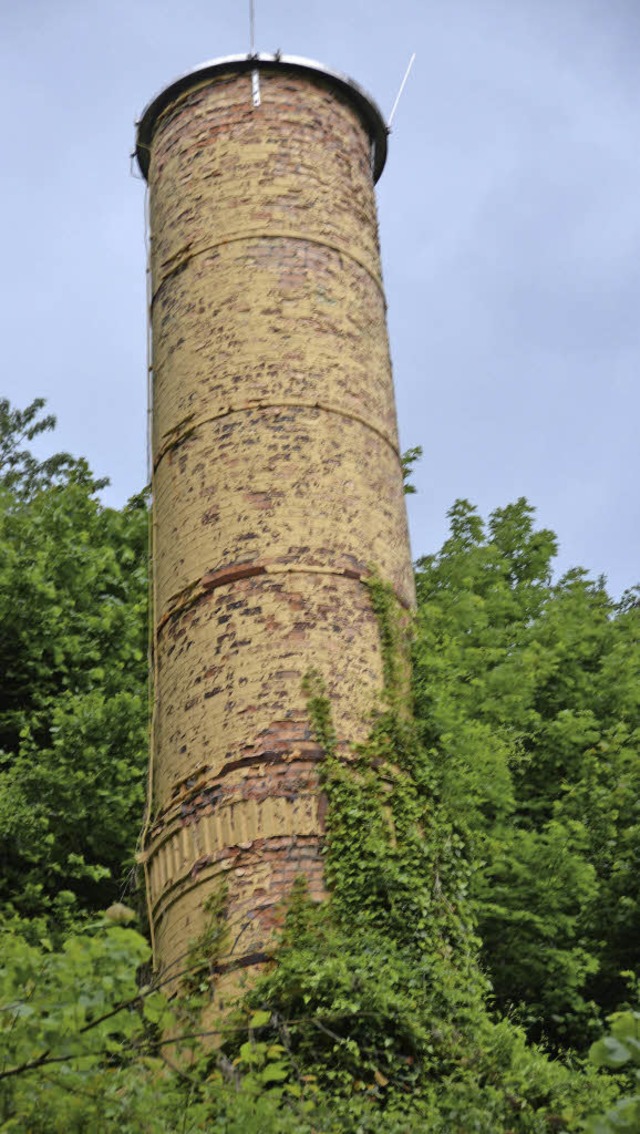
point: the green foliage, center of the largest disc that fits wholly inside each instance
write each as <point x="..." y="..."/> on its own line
<point x="620" y="1051"/>
<point x="81" y="1048"/>
<point x="73" y="713"/>
<point x="21" y="472"/>
<point x="527" y="695"/>
<point x="409" y="458"/>
<point x="493" y="834"/>
<point x="377" y="994"/>
<point x="71" y="1023"/>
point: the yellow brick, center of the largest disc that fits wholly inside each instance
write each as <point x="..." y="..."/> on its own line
<point x="277" y="485"/>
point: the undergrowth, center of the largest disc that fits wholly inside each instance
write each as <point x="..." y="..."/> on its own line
<point x="377" y="1002"/>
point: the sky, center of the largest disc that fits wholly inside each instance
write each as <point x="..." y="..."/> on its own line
<point x="509" y="222"/>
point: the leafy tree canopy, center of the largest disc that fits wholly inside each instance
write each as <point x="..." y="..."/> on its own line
<point x="482" y="851"/>
<point x="73" y="596"/>
<point x="528" y="697"/>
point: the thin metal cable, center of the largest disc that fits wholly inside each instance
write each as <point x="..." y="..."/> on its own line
<point x="399" y="94"/>
<point x="255" y="74"/>
<point x="152" y="636"/>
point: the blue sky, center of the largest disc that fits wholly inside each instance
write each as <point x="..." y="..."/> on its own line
<point x="510" y="229"/>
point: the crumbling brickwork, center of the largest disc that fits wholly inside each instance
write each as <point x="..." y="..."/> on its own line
<point x="277" y="484"/>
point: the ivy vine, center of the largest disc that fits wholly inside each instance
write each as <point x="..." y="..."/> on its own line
<point x="377" y="994"/>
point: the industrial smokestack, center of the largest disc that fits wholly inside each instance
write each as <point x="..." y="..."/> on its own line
<point x="277" y="481"/>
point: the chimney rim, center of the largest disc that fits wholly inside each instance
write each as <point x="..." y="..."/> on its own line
<point x="366" y="106"/>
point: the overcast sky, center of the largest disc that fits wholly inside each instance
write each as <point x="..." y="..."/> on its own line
<point x="510" y="229"/>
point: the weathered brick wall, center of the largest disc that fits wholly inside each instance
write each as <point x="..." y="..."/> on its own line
<point x="277" y="484"/>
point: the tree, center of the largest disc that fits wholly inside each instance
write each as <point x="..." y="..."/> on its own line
<point x="527" y="693"/>
<point x="21" y="472"/>
<point x="506" y="803"/>
<point x="73" y="712"/>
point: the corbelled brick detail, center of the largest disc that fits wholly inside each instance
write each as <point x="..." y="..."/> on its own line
<point x="277" y="486"/>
